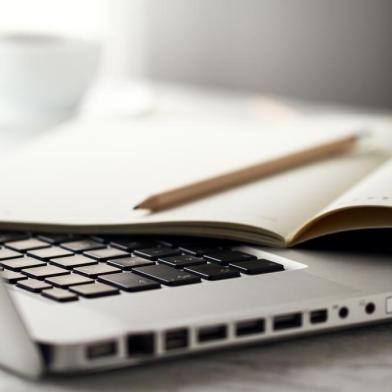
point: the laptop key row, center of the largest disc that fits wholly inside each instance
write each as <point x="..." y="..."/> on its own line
<point x="106" y="253"/>
<point x="82" y="245"/>
<point x="127" y="263"/>
<point x="12" y="276"/>
<point x="7" y="254"/>
<point x="76" y="260"/>
<point x="95" y="270"/>
<point x="33" y="285"/>
<point x="59" y="295"/>
<point x="167" y="275"/>
<point x="49" y="253"/>
<point x="54" y="239"/>
<point x="64" y="267"/>
<point x="20" y="263"/>
<point x="64" y="281"/>
<point x="129" y="281"/>
<point x="12" y="236"/>
<point x="27" y="244"/>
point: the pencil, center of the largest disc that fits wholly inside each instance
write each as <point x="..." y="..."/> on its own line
<point x="223" y="182"/>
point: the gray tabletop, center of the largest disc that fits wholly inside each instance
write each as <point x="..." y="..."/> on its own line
<point x="353" y="360"/>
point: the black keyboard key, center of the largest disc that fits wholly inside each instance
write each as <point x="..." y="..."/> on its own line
<point x="213" y="271"/>
<point x="68" y="280"/>
<point x="7" y="254"/>
<point x="182" y="261"/>
<point x="101" y="238"/>
<point x="94" y="290"/>
<point x="200" y="249"/>
<point x="92" y="271"/>
<point x="129" y="282"/>
<point x="127" y="263"/>
<point x="22" y="262"/>
<point x="167" y="275"/>
<point x="10" y="236"/>
<point x="227" y="256"/>
<point x="33" y="285"/>
<point x="106" y="254"/>
<point x="253" y="267"/>
<point x="49" y="253"/>
<point x="70" y="262"/>
<point x="53" y="238"/>
<point x="11" y="276"/>
<point x="157" y="252"/>
<point x="82" y="245"/>
<point x="59" y="295"/>
<point x="131" y="245"/>
<point x="166" y="242"/>
<point x="24" y="245"/>
<point x="44" y="272"/>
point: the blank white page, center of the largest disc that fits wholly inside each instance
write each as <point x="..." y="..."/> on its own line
<point x="93" y="174"/>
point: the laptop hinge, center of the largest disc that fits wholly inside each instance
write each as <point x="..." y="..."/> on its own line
<point x="18" y="353"/>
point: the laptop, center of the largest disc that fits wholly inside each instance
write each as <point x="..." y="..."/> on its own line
<point x="81" y="303"/>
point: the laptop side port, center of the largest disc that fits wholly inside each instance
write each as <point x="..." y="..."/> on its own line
<point x="249" y="327"/>
<point x="211" y="333"/>
<point x="287" y="321"/>
<point x="318" y="316"/>
<point x="101" y="350"/>
<point x="141" y="344"/>
<point x="370" y="308"/>
<point x="176" y="339"/>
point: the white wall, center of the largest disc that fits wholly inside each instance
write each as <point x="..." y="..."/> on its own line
<point x="339" y="50"/>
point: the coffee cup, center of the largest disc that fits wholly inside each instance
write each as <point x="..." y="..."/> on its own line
<point x="44" y="76"/>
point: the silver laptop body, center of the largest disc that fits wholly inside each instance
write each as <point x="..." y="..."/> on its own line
<point x="319" y="290"/>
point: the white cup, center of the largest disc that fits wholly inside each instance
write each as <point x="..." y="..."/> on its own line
<point x="44" y="76"/>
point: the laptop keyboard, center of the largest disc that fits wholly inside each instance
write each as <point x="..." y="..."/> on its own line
<point x="65" y="268"/>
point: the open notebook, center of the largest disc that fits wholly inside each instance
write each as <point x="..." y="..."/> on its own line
<point x="87" y="177"/>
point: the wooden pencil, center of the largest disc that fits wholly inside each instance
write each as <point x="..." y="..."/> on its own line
<point x="209" y="186"/>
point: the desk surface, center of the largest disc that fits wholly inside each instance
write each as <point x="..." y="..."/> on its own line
<point x="358" y="359"/>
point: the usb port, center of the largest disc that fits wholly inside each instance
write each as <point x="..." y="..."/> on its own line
<point x="287" y="321"/>
<point x="176" y="339"/>
<point x="209" y="334"/>
<point x="249" y="327"/>
<point x="318" y="316"/>
<point x="101" y="350"/>
<point x="141" y="344"/>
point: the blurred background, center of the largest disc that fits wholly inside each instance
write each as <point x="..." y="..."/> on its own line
<point x="333" y="51"/>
